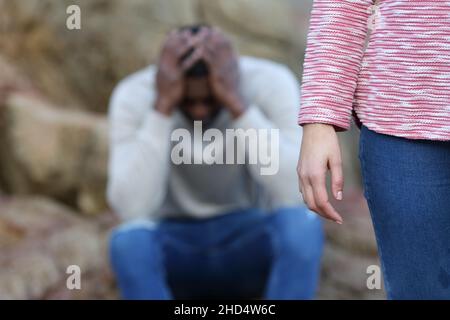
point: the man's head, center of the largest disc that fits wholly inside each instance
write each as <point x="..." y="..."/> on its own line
<point x="199" y="102"/>
<point x="198" y="73"/>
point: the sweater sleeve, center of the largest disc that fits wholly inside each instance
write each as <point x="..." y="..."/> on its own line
<point x="276" y="91"/>
<point x="139" y="151"/>
<point x="335" y="45"/>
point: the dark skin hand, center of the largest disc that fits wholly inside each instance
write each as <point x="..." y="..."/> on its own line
<point x="170" y="75"/>
<point x="211" y="46"/>
<point x="224" y="78"/>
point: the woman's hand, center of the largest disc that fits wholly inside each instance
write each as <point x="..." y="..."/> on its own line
<point x="320" y="152"/>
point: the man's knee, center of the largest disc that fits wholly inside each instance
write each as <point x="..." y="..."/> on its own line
<point x="298" y="232"/>
<point x="128" y="241"/>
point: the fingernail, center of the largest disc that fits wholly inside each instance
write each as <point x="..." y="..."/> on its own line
<point x="339" y="195"/>
<point x="338" y="221"/>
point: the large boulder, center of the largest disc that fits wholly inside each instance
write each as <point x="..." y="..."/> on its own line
<point x="39" y="240"/>
<point x="11" y="79"/>
<point x="51" y="151"/>
<point x="275" y="30"/>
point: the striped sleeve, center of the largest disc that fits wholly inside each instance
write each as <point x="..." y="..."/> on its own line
<point x="337" y="33"/>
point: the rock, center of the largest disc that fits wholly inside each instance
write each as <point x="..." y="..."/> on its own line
<point x="92" y="186"/>
<point x="116" y="39"/>
<point x="11" y="79"/>
<point x="250" y="17"/>
<point x="55" y="152"/>
<point x="39" y="239"/>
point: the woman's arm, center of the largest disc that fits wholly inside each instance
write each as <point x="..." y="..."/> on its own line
<point x="338" y="31"/>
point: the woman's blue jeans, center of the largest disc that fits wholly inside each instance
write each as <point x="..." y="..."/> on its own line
<point x="244" y="254"/>
<point x="407" y="187"/>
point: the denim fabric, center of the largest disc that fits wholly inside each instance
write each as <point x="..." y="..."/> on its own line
<point x="407" y="187"/>
<point x="243" y="254"/>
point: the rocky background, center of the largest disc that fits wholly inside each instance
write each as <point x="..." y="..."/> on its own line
<point x="54" y="89"/>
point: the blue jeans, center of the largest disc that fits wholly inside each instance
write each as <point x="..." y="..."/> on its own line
<point x="242" y="254"/>
<point x="407" y="187"/>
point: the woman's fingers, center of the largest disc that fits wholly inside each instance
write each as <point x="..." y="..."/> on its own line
<point x="323" y="205"/>
<point x="308" y="196"/>
<point x="337" y="177"/>
<point x="313" y="188"/>
<point x="319" y="153"/>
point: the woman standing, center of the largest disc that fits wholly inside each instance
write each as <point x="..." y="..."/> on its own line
<point x="398" y="89"/>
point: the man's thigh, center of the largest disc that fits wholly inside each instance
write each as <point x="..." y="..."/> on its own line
<point x="228" y="257"/>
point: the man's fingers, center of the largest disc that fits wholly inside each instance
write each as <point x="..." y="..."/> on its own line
<point x="195" y="56"/>
<point x="203" y="33"/>
<point x="208" y="54"/>
<point x="178" y="43"/>
<point x="337" y="177"/>
<point x="183" y="48"/>
<point x="318" y="183"/>
<point x="176" y="36"/>
<point x="191" y="42"/>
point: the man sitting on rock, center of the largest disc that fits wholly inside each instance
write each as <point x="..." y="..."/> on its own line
<point x="197" y="222"/>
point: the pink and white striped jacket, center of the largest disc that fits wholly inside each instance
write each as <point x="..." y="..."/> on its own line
<point x="399" y="85"/>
